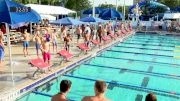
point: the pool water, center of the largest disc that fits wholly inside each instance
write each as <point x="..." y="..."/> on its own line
<point x="144" y="63"/>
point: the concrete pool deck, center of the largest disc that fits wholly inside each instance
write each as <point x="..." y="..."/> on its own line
<point x="22" y="69"/>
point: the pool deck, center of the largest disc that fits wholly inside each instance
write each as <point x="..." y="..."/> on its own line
<point x="22" y="70"/>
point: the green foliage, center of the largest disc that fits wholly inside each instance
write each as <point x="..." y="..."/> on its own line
<point x="45" y="2"/>
<point x="170" y="3"/>
<point x="78" y="5"/>
<point x="107" y="6"/>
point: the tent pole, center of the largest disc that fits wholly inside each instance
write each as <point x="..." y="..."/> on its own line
<point x="31" y="28"/>
<point x="116" y="5"/>
<point x="124" y="10"/>
<point x="93" y="9"/>
<point x="76" y="15"/>
<point x="10" y="54"/>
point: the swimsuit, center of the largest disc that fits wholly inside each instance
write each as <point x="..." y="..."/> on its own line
<point x="1" y="53"/>
<point x="46" y="56"/>
<point x="37" y="46"/>
<point x="26" y="44"/>
<point x="54" y="42"/>
<point x="78" y="36"/>
<point x="47" y="37"/>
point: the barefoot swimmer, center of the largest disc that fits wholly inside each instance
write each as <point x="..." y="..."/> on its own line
<point x="1" y="49"/>
<point x="26" y="39"/>
<point x="46" y="50"/>
<point x="37" y="40"/>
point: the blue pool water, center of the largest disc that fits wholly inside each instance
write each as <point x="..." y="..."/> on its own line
<point x="144" y="63"/>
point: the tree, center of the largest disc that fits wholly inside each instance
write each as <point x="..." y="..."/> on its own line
<point x="78" y="5"/>
<point x="170" y="3"/>
<point x="45" y="2"/>
<point x="107" y="6"/>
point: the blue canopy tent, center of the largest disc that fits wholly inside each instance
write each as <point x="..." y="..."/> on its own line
<point x="92" y="19"/>
<point x="110" y="14"/>
<point x="98" y="10"/>
<point x="149" y="8"/>
<point x="175" y="9"/>
<point x="19" y="15"/>
<point x="12" y="13"/>
<point x="67" y="21"/>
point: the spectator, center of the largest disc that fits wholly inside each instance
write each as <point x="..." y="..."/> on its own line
<point x="65" y="86"/>
<point x="151" y="97"/>
<point x="100" y="88"/>
<point x="3" y="29"/>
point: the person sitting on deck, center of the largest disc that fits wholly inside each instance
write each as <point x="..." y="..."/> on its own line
<point x="65" y="86"/>
<point x="150" y="97"/>
<point x="100" y="88"/>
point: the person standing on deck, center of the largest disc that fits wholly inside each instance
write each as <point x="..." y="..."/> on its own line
<point x="1" y="50"/>
<point x="100" y="33"/>
<point x="87" y="35"/>
<point x="3" y="29"/>
<point x="78" y="32"/>
<point x="63" y="32"/>
<point x="67" y="40"/>
<point x="37" y="40"/>
<point x="26" y="39"/>
<point x="45" y="48"/>
<point x="54" y="40"/>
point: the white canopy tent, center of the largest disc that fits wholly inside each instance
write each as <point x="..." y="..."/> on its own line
<point x="49" y="17"/>
<point x="50" y="10"/>
<point x="171" y="16"/>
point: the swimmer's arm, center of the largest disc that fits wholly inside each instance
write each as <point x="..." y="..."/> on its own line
<point x="34" y="37"/>
<point x="41" y="47"/>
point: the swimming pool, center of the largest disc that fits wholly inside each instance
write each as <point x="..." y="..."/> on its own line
<point x="144" y="63"/>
